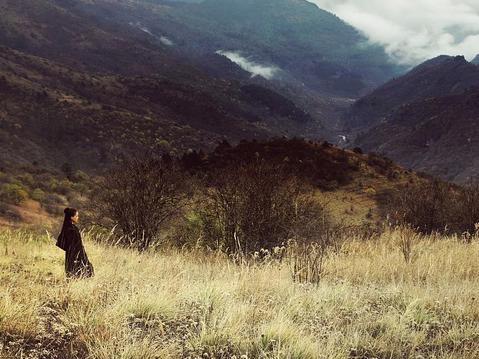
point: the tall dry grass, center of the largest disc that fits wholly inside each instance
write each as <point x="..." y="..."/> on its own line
<point x="369" y="303"/>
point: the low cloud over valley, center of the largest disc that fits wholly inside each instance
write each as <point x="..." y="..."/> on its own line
<point x="414" y="30"/>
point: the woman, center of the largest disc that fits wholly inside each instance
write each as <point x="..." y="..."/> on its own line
<point x="69" y="239"/>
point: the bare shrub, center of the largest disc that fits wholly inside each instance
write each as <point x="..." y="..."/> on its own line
<point x="406" y="239"/>
<point x="313" y="235"/>
<point x="406" y="248"/>
<point x="306" y="255"/>
<point x="320" y="238"/>
<point x="139" y="196"/>
<point x="437" y="207"/>
<point x="468" y="208"/>
<point x="255" y="206"/>
<point x="306" y="261"/>
<point x="428" y="206"/>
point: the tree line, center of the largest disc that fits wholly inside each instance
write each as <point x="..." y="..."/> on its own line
<point x="256" y="198"/>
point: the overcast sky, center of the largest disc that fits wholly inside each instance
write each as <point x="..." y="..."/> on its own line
<point x="414" y="30"/>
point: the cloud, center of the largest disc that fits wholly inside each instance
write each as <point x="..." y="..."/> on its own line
<point x="412" y="31"/>
<point x="163" y="39"/>
<point x="253" y="68"/>
<point x="166" y="41"/>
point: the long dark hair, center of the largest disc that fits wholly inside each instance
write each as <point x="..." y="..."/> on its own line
<point x="67" y="222"/>
<point x="69" y="213"/>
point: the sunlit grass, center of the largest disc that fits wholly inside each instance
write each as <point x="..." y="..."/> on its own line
<point x="370" y="303"/>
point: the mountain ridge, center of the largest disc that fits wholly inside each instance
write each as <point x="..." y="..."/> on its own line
<point x="88" y="68"/>
<point x="310" y="44"/>
<point x="50" y="106"/>
<point x="427" y="119"/>
<point x="440" y="76"/>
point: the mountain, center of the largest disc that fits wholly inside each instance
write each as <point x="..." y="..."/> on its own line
<point x="441" y="76"/>
<point x="78" y="87"/>
<point x="57" y="30"/>
<point x="436" y="135"/>
<point x="115" y="75"/>
<point x="300" y="42"/>
<point x="109" y="76"/>
<point x="475" y="60"/>
<point x="83" y="82"/>
<point x="426" y="120"/>
<point x="50" y="113"/>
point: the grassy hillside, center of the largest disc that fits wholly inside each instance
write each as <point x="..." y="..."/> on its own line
<point x="352" y="184"/>
<point x="370" y="303"/>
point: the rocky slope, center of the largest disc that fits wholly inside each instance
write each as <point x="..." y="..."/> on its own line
<point x="441" y="76"/>
<point x="437" y="136"/>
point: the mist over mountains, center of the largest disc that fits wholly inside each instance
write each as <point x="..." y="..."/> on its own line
<point x="413" y="31"/>
<point x="176" y="75"/>
<point x="215" y="66"/>
<point x="245" y="178"/>
<point x="311" y="47"/>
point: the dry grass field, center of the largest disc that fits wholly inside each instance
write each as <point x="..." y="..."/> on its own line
<point x="370" y="302"/>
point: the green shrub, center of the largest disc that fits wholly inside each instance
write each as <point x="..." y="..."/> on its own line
<point x="43" y="181"/>
<point x="51" y="185"/>
<point x="13" y="193"/>
<point x="56" y="210"/>
<point x="80" y="176"/>
<point x="81" y="188"/>
<point x="38" y="195"/>
<point x="26" y="179"/>
<point x="53" y="198"/>
<point x="64" y="187"/>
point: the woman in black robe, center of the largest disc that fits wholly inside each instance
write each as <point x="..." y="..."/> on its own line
<point x="76" y="261"/>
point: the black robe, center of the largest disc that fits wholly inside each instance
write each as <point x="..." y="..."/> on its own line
<point x="76" y="259"/>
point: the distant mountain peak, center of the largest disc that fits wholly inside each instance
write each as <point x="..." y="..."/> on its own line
<point x="441" y="60"/>
<point x="441" y="76"/>
<point x="426" y="118"/>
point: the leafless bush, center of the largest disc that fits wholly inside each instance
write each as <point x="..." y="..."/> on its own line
<point x="256" y="206"/>
<point x="427" y="207"/>
<point x="406" y="239"/>
<point x="306" y="261"/>
<point x="139" y="196"/>
<point x="437" y="207"/>
<point x="313" y="236"/>
<point x="306" y="255"/>
<point x="468" y="209"/>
